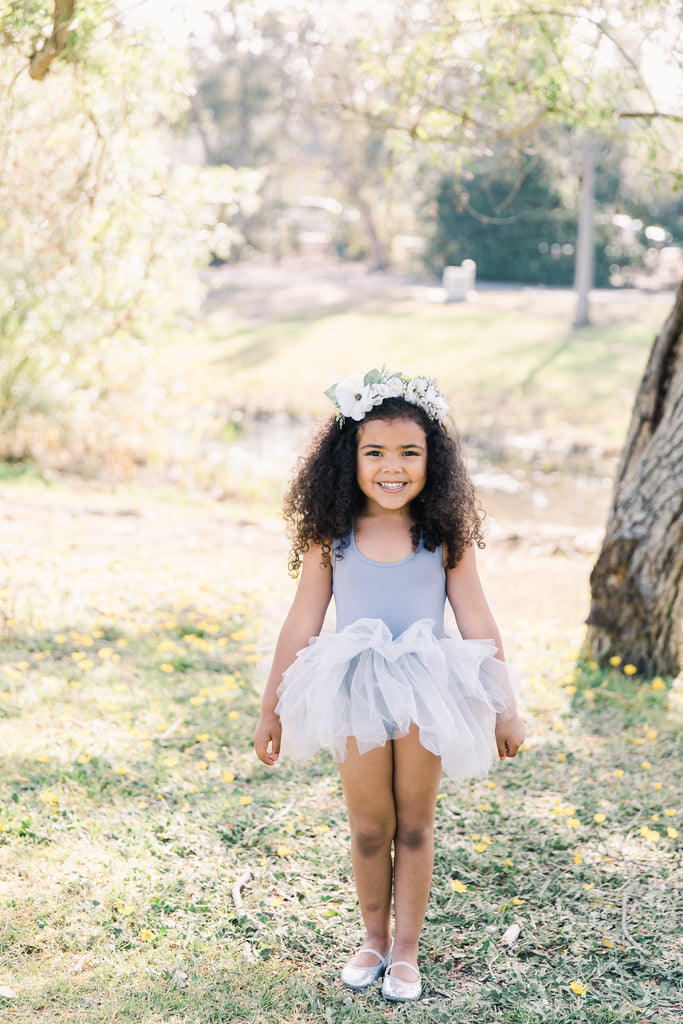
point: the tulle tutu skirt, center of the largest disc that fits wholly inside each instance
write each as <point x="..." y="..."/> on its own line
<point x="362" y="682"/>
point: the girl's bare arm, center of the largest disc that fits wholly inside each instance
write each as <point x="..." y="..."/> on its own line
<point x="304" y="620"/>
<point x="467" y="599"/>
<point x="476" y="622"/>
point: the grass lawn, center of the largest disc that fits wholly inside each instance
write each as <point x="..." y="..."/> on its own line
<point x="507" y="361"/>
<point x="152" y="872"/>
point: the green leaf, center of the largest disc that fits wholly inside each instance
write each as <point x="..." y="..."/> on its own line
<point x="372" y="377"/>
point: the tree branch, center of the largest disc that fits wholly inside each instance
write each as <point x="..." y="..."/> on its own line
<point x="41" y="60"/>
<point x="651" y="113"/>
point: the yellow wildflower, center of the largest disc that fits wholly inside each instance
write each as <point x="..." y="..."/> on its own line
<point x="458" y="886"/>
<point x="630" y="670"/>
<point x="577" y="988"/>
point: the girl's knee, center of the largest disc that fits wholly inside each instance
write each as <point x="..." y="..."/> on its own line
<point x="371" y="835"/>
<point x="414" y="833"/>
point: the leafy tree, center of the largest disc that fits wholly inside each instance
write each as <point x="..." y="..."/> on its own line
<point x="102" y="234"/>
<point x="270" y="90"/>
<point x="506" y="214"/>
<point x="513" y="212"/>
<point x="460" y="77"/>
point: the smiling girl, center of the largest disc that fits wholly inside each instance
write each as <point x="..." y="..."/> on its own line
<point x="384" y="519"/>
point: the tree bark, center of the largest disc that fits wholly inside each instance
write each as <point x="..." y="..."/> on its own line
<point x="56" y="44"/>
<point x="637" y="582"/>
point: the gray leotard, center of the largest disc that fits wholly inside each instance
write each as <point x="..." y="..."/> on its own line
<point x="399" y="593"/>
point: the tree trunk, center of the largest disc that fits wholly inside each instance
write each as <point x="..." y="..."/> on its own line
<point x="637" y="581"/>
<point x="583" y="274"/>
<point x="61" y="23"/>
<point x="379" y="261"/>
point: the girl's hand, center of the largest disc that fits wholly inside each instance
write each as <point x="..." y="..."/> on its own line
<point x="509" y="736"/>
<point x="267" y="735"/>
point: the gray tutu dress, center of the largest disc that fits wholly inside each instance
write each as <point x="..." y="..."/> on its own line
<point x="390" y="664"/>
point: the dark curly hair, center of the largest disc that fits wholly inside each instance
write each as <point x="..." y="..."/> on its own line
<point x="323" y="498"/>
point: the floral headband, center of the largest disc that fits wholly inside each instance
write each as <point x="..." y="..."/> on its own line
<point x="359" y="393"/>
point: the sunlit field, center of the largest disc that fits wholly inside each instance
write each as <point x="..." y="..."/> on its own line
<point x="153" y="872"/>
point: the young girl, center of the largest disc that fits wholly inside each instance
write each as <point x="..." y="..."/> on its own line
<point x="384" y="518"/>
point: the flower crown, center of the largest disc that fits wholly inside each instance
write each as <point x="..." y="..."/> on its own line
<point x="359" y="393"/>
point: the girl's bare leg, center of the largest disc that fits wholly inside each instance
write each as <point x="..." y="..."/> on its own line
<point x="417" y="774"/>
<point x="368" y="788"/>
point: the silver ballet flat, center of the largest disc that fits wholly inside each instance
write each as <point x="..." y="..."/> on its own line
<point x="360" y="977"/>
<point x="398" y="991"/>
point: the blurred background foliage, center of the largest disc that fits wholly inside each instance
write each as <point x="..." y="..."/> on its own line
<point x="103" y="227"/>
<point x="402" y="136"/>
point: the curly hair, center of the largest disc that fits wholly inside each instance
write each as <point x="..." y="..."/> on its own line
<point x="323" y="498"/>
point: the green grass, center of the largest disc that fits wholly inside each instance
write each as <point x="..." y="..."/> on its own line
<point x="132" y="805"/>
<point x="518" y="367"/>
<point x="132" y="810"/>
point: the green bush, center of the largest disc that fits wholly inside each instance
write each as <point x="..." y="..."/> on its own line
<point x="508" y="215"/>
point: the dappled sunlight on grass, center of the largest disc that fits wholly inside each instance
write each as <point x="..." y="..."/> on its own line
<point x="152" y="871"/>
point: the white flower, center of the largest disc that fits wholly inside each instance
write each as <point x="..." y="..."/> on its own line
<point x="354" y="397"/>
<point x="392" y="387"/>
